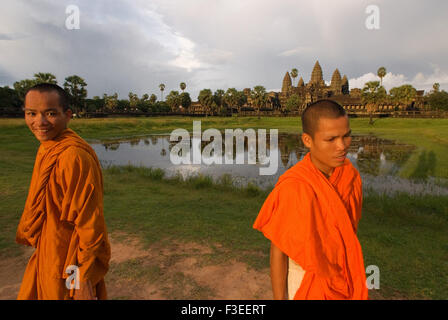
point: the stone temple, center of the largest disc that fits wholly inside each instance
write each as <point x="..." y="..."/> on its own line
<point x="317" y="89"/>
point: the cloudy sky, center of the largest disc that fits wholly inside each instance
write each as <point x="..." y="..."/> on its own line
<point x="134" y="45"/>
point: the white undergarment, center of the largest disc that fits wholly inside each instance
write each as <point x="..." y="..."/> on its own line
<point x="295" y="277"/>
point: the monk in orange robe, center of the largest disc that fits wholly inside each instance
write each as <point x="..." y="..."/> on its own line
<point x="311" y="215"/>
<point x="63" y="216"/>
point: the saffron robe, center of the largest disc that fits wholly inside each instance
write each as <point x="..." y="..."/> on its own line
<point x="314" y="220"/>
<point x="63" y="219"/>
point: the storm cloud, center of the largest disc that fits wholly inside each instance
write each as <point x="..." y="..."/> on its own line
<point x="126" y="45"/>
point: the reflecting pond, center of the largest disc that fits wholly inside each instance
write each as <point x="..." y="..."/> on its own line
<point x="378" y="160"/>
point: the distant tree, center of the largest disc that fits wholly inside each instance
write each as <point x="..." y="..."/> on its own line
<point x="161" y="87"/>
<point x="234" y="98"/>
<point x="436" y="87"/>
<point x="144" y="105"/>
<point x="153" y="98"/>
<point x="294" y="74"/>
<point x="22" y="87"/>
<point x="242" y="99"/>
<point x="231" y="98"/>
<point x="42" y="77"/>
<point x="218" y="98"/>
<point x="293" y="103"/>
<point x="133" y="100"/>
<point x="182" y="86"/>
<point x="206" y="100"/>
<point x="111" y="102"/>
<point x="76" y="88"/>
<point x="144" y="97"/>
<point x="123" y="104"/>
<point x="185" y="100"/>
<point x="173" y="100"/>
<point x="9" y="100"/>
<point x="371" y="95"/>
<point x="438" y="100"/>
<point x="403" y="95"/>
<point x="259" y="98"/>
<point x="160" y="107"/>
<point x="381" y="73"/>
<point x="94" y="104"/>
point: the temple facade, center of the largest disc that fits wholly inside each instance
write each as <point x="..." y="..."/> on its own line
<point x="317" y="89"/>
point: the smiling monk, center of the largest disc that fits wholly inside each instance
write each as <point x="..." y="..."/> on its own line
<point x="312" y="214"/>
<point x="63" y="216"/>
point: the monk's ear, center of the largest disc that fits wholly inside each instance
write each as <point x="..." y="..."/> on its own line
<point x="307" y="140"/>
<point x="68" y="113"/>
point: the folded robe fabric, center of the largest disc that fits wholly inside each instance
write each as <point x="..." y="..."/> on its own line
<point x="314" y="221"/>
<point x="63" y="219"/>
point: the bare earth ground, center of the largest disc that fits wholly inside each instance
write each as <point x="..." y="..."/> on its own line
<point x="171" y="270"/>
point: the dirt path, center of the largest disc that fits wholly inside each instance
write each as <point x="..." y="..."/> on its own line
<point x="171" y="270"/>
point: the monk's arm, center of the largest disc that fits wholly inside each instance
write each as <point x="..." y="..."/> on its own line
<point x="83" y="201"/>
<point x="279" y="272"/>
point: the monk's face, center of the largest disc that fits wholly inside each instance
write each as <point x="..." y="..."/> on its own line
<point x="44" y="115"/>
<point x="330" y="143"/>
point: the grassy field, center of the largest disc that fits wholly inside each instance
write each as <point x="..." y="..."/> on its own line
<point x="406" y="237"/>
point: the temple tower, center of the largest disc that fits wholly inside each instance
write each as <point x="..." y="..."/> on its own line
<point x="344" y="83"/>
<point x="287" y="83"/>
<point x="316" y="75"/>
<point x="336" y="83"/>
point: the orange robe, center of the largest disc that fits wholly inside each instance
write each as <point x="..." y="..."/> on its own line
<point x="314" y="220"/>
<point x="63" y="219"/>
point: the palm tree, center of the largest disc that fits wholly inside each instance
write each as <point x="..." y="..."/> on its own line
<point x="259" y="98"/>
<point x="206" y="100"/>
<point x="22" y="87"/>
<point x="371" y="95"/>
<point x="162" y="87"/>
<point x="381" y="73"/>
<point x="76" y="87"/>
<point x="42" y="77"/>
<point x="436" y="87"/>
<point x="173" y="100"/>
<point x="183" y="85"/>
<point x="294" y="74"/>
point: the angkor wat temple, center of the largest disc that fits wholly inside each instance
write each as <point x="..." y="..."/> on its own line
<point x="317" y="89"/>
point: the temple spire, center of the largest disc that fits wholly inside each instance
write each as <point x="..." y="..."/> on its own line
<point x="287" y="83"/>
<point x="316" y="75"/>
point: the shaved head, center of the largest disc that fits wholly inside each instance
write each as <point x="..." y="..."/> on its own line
<point x="328" y="109"/>
<point x="49" y="87"/>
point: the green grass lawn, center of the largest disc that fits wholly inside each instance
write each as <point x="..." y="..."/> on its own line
<point x="406" y="237"/>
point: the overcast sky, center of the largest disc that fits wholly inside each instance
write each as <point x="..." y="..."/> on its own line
<point x="134" y="45"/>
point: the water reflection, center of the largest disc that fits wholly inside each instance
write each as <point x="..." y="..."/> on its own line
<point x="378" y="160"/>
<point x="370" y="154"/>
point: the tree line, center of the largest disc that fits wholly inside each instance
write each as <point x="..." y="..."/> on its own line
<point x="219" y="102"/>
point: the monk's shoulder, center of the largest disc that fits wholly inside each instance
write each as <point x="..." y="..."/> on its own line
<point x="294" y="188"/>
<point x="75" y="156"/>
<point x="355" y="173"/>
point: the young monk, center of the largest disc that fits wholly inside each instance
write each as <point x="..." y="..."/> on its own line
<point x="63" y="216"/>
<point x="312" y="214"/>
